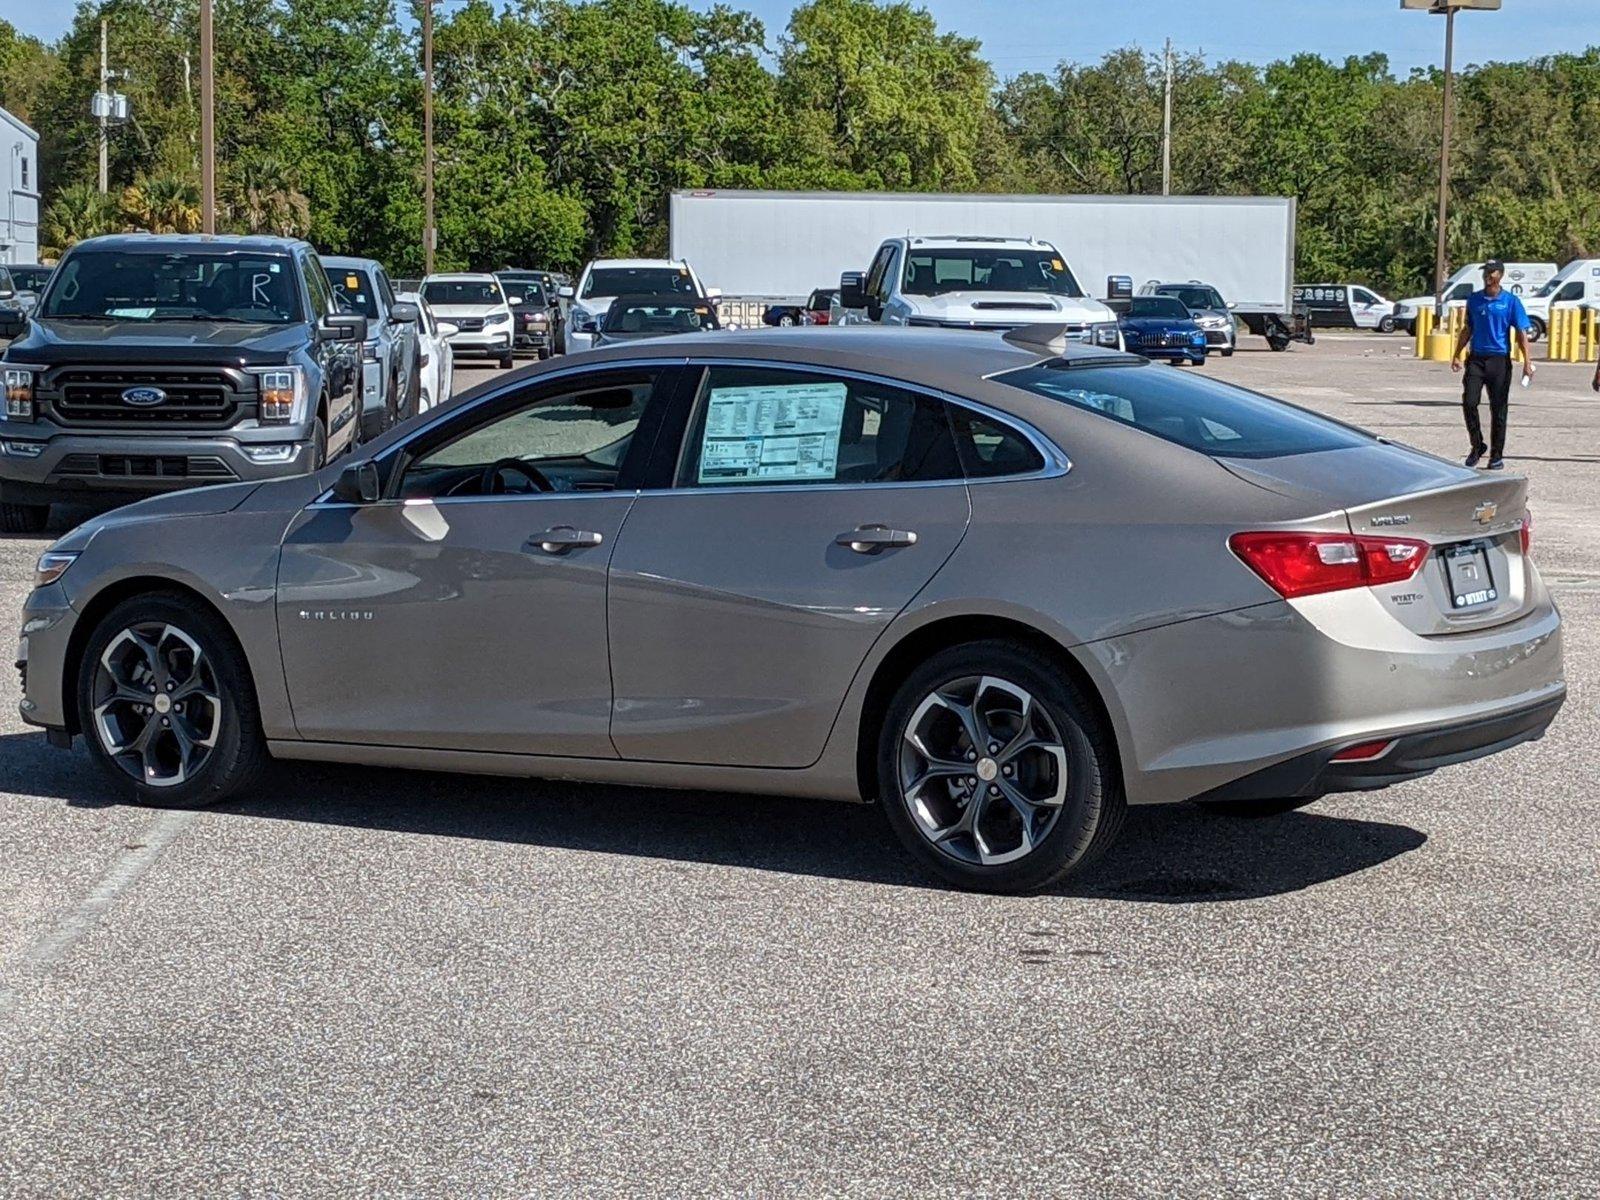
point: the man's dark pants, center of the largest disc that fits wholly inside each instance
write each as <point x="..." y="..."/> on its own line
<point x="1492" y="371"/>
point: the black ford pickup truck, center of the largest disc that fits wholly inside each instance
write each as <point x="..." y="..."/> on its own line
<point x="155" y="362"/>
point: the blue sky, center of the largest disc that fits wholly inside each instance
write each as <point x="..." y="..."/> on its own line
<point x="1032" y="35"/>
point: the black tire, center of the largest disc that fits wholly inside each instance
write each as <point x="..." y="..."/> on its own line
<point x="1228" y="353"/>
<point x="1535" y="329"/>
<point x="319" y="445"/>
<point x="1092" y="809"/>
<point x="507" y="361"/>
<point x="1385" y="324"/>
<point x="24" y="518"/>
<point x="1257" y="808"/>
<point x="238" y="751"/>
<point x="1278" y="345"/>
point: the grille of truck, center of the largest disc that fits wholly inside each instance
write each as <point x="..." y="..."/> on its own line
<point x="207" y="398"/>
<point x="466" y="324"/>
<point x="144" y="466"/>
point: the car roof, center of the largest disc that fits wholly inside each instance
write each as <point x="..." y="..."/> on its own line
<point x="637" y="262"/>
<point x="460" y="277"/>
<point x="346" y="261"/>
<point x="953" y="241"/>
<point x="159" y="242"/>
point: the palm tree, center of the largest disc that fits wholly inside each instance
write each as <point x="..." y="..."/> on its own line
<point x="163" y="204"/>
<point x="268" y="199"/>
<point x="78" y="211"/>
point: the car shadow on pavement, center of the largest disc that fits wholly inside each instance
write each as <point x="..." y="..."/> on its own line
<point x="1176" y="854"/>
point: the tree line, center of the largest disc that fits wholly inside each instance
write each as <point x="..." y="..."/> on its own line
<point x="562" y="126"/>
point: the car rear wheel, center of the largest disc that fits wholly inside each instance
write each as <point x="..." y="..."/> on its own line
<point x="995" y="772"/>
<point x="1535" y="329"/>
<point x="23" y="518"/>
<point x="1257" y="808"/>
<point x="166" y="703"/>
<point x="1385" y="324"/>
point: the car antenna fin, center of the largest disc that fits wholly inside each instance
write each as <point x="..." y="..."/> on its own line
<point x="1048" y="337"/>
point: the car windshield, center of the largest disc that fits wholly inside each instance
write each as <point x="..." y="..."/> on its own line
<point x="147" y="285"/>
<point x="439" y="292"/>
<point x="1195" y="297"/>
<point x="1158" y="306"/>
<point x="355" y="287"/>
<point x="658" y="315"/>
<point x="932" y="272"/>
<point x="30" y="279"/>
<point x="621" y="281"/>
<point x="1551" y="288"/>
<point x="1214" y="418"/>
<point x="528" y="287"/>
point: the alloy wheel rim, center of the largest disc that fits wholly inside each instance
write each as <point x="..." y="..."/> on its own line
<point x="983" y="770"/>
<point x="156" y="705"/>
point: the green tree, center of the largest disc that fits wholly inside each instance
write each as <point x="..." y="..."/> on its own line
<point x="78" y="211"/>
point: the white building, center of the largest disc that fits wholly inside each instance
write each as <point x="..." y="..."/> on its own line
<point x="19" y="206"/>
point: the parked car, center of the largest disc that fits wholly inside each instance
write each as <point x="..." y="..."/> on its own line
<point x="1345" y="306"/>
<point x="973" y="283"/>
<point x="390" y="366"/>
<point x="1211" y="312"/>
<point x="631" y="318"/>
<point x="29" y="279"/>
<point x="161" y="362"/>
<point x="1161" y="327"/>
<point x="819" y="306"/>
<point x="1002" y="586"/>
<point x="605" y="279"/>
<point x="476" y="305"/>
<point x="13" y="316"/>
<point x="535" y="313"/>
<point x="437" y="359"/>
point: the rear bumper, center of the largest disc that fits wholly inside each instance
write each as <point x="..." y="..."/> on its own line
<point x="1409" y="756"/>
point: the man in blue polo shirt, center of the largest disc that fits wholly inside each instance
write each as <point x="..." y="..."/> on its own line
<point x="1494" y="315"/>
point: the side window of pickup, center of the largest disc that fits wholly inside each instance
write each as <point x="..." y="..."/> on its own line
<point x="317" y="284"/>
<point x="877" y="271"/>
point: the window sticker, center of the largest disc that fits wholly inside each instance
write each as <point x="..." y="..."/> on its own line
<point x="784" y="433"/>
<point x="132" y="314"/>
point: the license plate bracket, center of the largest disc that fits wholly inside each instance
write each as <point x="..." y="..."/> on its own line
<point x="1466" y="570"/>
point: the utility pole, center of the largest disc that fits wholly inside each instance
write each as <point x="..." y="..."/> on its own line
<point x="1166" y="125"/>
<point x="104" y="105"/>
<point x="208" y="133"/>
<point x="429" y="234"/>
<point x="1440" y="266"/>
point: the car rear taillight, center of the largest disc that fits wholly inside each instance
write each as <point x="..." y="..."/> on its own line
<point x="1527" y="532"/>
<point x="1364" y="751"/>
<point x="1307" y="564"/>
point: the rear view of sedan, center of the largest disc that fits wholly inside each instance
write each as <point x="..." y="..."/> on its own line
<point x="1003" y="587"/>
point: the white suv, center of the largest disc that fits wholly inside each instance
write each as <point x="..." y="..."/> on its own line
<point x="476" y="306"/>
<point x="974" y="283"/>
<point x="605" y="279"/>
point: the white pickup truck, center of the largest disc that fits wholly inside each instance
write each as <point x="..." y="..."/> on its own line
<point x="958" y="282"/>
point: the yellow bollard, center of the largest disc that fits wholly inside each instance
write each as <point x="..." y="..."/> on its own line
<point x="1424" y="331"/>
<point x="1592" y="321"/>
<point x="1555" y="334"/>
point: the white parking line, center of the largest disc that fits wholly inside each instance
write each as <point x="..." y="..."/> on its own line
<point x="52" y="945"/>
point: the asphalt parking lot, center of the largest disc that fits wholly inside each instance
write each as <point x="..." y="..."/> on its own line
<point x="387" y="983"/>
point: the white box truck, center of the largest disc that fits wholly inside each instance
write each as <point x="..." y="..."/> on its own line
<point x="765" y="247"/>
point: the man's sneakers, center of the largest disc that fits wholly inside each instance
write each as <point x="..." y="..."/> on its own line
<point x="1477" y="455"/>
<point x="1497" y="464"/>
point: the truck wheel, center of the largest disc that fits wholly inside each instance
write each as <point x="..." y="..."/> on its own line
<point x="23" y="518"/>
<point x="1228" y="353"/>
<point x="995" y="771"/>
<point x="166" y="703"/>
<point x="1385" y="324"/>
<point x="1535" y="329"/>
<point x="1278" y="344"/>
<point x="319" y="445"/>
<point x="507" y="362"/>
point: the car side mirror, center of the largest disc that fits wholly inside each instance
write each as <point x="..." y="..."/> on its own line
<point x="713" y="293"/>
<point x="344" y="327"/>
<point x="1233" y="304"/>
<point x="853" y="289"/>
<point x="404" y="310"/>
<point x="564" y="292"/>
<point x="447" y="330"/>
<point x="358" y="484"/>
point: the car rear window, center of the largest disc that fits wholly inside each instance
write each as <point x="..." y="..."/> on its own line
<point x="1214" y="418"/>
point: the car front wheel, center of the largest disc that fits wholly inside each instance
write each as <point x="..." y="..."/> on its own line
<point x="23" y="518"/>
<point x="995" y="771"/>
<point x="166" y="703"/>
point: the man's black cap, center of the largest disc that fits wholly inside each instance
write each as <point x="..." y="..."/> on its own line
<point x="1494" y="264"/>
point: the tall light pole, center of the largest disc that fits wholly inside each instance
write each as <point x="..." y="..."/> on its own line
<point x="1448" y="8"/>
<point x="1166" y="124"/>
<point x="208" y="133"/>
<point x="102" y="100"/>
<point x="429" y="236"/>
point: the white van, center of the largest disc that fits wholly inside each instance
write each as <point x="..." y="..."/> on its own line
<point x="961" y="282"/>
<point x="1521" y="279"/>
<point x="1577" y="283"/>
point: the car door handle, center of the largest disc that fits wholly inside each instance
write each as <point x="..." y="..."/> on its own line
<point x="868" y="539"/>
<point x="563" y="538"/>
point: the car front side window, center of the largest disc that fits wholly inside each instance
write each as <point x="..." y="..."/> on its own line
<point x="574" y="438"/>
<point x="766" y="426"/>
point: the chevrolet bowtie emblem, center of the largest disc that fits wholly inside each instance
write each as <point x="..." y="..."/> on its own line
<point x="1484" y="513"/>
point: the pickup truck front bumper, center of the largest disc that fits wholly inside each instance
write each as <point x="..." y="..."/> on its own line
<point x="67" y="468"/>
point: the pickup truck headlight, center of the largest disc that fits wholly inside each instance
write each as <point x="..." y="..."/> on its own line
<point x="19" y="394"/>
<point x="283" y="393"/>
<point x="1105" y="334"/>
<point x="497" y="319"/>
<point x="52" y="565"/>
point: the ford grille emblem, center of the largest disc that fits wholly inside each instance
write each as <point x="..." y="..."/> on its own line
<point x="143" y="397"/>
